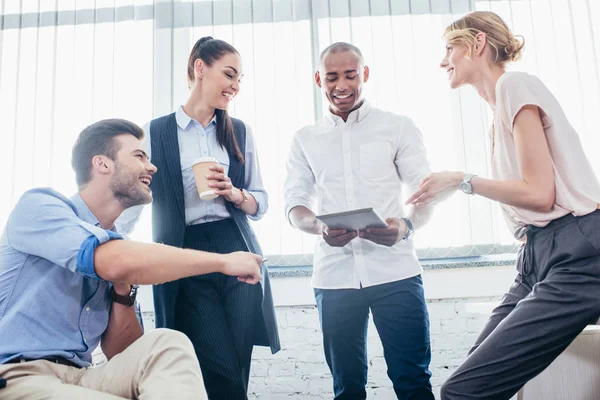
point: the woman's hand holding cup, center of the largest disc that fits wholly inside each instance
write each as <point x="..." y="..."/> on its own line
<point x="221" y="183"/>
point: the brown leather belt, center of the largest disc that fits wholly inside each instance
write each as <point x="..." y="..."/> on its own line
<point x="56" y="360"/>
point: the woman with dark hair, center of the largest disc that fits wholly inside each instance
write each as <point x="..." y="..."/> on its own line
<point x="223" y="316"/>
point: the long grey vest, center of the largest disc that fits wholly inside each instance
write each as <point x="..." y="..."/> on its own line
<point x="168" y="221"/>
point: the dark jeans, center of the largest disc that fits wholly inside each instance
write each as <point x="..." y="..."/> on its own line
<point x="555" y="295"/>
<point x="401" y="318"/>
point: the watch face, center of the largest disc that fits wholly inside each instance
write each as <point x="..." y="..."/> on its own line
<point x="465" y="187"/>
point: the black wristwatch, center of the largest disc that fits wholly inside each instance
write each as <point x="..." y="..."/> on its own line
<point x="127" y="300"/>
<point x="410" y="231"/>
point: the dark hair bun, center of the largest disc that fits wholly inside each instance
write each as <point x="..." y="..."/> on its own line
<point x="205" y="39"/>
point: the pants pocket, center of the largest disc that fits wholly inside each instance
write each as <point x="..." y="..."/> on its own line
<point x="589" y="229"/>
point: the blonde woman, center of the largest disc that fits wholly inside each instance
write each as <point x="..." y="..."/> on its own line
<point x="549" y="195"/>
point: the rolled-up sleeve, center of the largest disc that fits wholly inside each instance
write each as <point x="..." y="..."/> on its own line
<point x="299" y="186"/>
<point x="44" y="224"/>
<point x="253" y="177"/>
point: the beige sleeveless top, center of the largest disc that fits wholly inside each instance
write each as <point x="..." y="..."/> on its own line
<point x="576" y="186"/>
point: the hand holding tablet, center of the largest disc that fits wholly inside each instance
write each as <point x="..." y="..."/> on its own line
<point x="366" y="223"/>
<point x="354" y="220"/>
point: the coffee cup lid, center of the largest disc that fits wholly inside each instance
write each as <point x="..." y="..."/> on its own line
<point x="205" y="159"/>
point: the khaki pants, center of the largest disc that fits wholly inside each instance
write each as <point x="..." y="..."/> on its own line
<point x="160" y="365"/>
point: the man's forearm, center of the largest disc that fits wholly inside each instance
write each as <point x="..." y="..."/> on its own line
<point x="305" y="220"/>
<point x="148" y="263"/>
<point x="123" y="329"/>
<point x="420" y="215"/>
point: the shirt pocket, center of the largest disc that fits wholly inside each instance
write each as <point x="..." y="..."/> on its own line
<point x="375" y="161"/>
<point x="223" y="159"/>
<point x="587" y="226"/>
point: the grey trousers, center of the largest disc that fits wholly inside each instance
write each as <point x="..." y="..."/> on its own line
<point x="555" y="295"/>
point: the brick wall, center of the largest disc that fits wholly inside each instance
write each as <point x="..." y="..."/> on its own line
<point x="299" y="371"/>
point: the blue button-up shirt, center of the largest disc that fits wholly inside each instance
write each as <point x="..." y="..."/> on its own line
<point x="52" y="303"/>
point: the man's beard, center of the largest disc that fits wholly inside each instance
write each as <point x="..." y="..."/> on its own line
<point x="126" y="189"/>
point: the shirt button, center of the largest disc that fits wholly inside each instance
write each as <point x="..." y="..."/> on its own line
<point x="87" y="308"/>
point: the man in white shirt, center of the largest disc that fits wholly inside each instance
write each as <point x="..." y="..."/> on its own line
<point x="358" y="156"/>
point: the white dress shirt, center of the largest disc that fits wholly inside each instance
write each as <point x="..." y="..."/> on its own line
<point x="196" y="141"/>
<point x="360" y="163"/>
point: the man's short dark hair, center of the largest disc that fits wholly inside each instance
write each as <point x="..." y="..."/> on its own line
<point x="99" y="139"/>
<point x="341" y="47"/>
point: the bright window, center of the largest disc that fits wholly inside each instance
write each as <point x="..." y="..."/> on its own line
<point x="65" y="64"/>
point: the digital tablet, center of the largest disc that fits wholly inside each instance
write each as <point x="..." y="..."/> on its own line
<point x="353" y="220"/>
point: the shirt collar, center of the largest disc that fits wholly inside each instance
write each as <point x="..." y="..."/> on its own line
<point x="82" y="210"/>
<point x="85" y="214"/>
<point x="184" y="120"/>
<point x="357" y="115"/>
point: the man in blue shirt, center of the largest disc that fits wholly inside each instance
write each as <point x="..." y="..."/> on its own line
<point x="66" y="284"/>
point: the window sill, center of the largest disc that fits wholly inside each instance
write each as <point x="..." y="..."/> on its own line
<point x="466" y="277"/>
<point x="496" y="260"/>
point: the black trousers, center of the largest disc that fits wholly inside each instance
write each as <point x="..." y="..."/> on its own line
<point x="555" y="295"/>
<point x="218" y="313"/>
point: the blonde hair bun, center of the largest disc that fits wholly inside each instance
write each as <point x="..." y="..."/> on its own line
<point x="514" y="49"/>
<point x="506" y="46"/>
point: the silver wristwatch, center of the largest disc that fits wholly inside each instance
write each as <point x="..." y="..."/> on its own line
<point x="410" y="232"/>
<point x="465" y="185"/>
